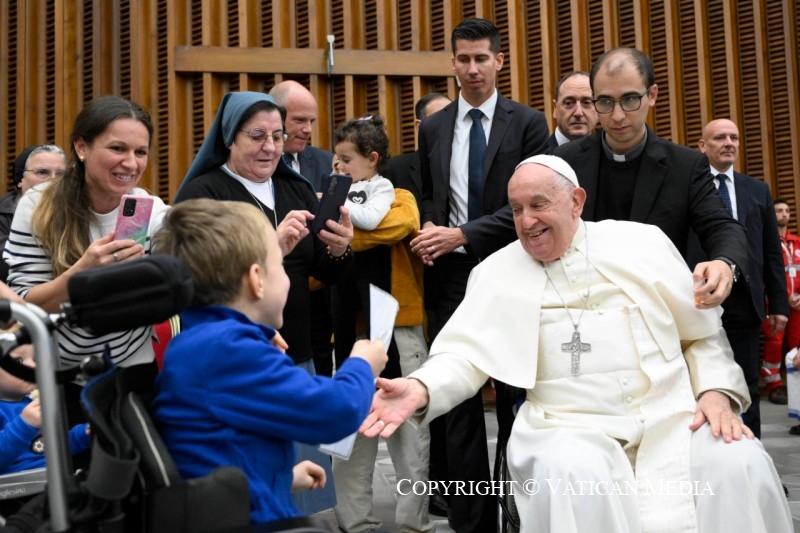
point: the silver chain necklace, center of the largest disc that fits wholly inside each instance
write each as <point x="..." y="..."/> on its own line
<point x="258" y="204"/>
<point x="256" y="201"/>
<point x="575" y="347"/>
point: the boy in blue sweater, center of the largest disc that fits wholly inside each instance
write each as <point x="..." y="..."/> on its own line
<point x="226" y="395"/>
<point x="21" y="446"/>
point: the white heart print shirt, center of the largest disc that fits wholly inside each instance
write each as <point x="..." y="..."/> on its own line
<point x="368" y="201"/>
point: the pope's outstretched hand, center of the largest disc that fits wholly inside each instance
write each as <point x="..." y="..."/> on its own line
<point x="394" y="402"/>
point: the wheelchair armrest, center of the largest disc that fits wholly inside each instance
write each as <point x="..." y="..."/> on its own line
<point x="25" y="483"/>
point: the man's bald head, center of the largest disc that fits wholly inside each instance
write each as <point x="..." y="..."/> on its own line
<point x="301" y="113"/>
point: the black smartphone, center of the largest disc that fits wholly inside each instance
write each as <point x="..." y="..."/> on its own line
<point x="333" y="197"/>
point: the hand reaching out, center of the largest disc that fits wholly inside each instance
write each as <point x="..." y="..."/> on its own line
<point x="394" y="402"/>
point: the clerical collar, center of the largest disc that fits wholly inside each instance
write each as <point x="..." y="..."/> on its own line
<point x="633" y="154"/>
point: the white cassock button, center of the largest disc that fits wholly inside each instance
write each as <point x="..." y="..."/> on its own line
<point x="629" y="399"/>
<point x="568" y="262"/>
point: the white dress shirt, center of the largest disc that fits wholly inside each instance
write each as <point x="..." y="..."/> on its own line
<point x="459" y="160"/>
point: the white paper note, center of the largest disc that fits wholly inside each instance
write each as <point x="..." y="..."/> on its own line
<point x="383" y="309"/>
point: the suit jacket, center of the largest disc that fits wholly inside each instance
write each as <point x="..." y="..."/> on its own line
<point x="553" y="141"/>
<point x="746" y="306"/>
<point x="673" y="191"/>
<point x="315" y="165"/>
<point x="403" y="170"/>
<point x="518" y="132"/>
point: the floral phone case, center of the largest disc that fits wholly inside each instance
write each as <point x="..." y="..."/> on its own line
<point x="133" y="218"/>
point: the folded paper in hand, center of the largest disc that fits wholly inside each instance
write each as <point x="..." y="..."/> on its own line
<point x="382" y="313"/>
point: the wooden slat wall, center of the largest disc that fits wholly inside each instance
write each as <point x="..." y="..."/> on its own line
<point x="713" y="58"/>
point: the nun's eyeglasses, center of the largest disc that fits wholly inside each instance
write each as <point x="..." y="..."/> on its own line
<point x="259" y="136"/>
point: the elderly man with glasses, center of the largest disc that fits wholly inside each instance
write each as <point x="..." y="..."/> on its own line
<point x="630" y="173"/>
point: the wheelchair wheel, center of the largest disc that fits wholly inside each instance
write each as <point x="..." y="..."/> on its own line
<point x="507" y="514"/>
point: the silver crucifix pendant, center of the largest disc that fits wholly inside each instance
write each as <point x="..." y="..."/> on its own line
<point x="575" y="347"/>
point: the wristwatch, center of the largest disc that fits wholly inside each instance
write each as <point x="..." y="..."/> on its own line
<point x="734" y="268"/>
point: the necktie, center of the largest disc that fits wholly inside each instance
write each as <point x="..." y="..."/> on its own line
<point x="724" y="193"/>
<point x="290" y="159"/>
<point x="477" y="153"/>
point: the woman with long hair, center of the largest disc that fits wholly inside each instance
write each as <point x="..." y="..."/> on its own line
<point x="66" y="225"/>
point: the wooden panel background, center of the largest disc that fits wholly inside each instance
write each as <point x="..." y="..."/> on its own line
<point x="713" y="58"/>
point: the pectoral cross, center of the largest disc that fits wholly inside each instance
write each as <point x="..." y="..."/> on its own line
<point x="575" y="348"/>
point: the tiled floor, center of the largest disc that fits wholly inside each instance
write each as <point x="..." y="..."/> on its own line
<point x="784" y="449"/>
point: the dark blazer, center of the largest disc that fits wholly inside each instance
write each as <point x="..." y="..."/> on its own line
<point x="518" y="132"/>
<point x="673" y="191"/>
<point x="404" y="172"/>
<point x="315" y="165"/>
<point x="766" y="277"/>
<point x="553" y="141"/>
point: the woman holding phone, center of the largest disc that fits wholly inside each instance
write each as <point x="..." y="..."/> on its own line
<point x="240" y="160"/>
<point x="66" y="225"/>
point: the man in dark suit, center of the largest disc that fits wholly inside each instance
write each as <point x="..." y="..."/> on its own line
<point x="315" y="165"/>
<point x="629" y="173"/>
<point x="465" y="217"/>
<point x="745" y="309"/>
<point x="403" y="169"/>
<point x="573" y="109"/>
<point x="311" y="162"/>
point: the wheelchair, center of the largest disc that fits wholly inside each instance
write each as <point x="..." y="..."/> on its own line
<point x="507" y="515"/>
<point x="132" y="483"/>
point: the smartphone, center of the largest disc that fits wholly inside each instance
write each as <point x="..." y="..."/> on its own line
<point x="133" y="218"/>
<point x="333" y="197"/>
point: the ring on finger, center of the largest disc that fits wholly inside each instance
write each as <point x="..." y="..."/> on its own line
<point x="115" y="255"/>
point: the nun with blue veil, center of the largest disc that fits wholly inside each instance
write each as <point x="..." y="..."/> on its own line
<point x="240" y="160"/>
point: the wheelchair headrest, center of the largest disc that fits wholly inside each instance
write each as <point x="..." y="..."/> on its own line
<point x="129" y="294"/>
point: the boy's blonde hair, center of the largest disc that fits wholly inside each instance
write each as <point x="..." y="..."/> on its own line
<point x="219" y="241"/>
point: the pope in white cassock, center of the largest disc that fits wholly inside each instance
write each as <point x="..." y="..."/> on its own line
<point x="630" y="419"/>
